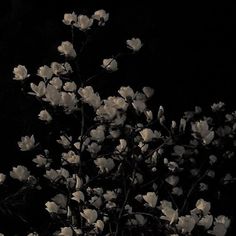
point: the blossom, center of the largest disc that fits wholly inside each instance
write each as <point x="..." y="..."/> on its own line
<point x="45" y="116"/>
<point x="110" y="64"/>
<point x="45" y="72"/>
<point x="52" y="95"/>
<point x="172" y="180"/>
<point x="60" y="200"/>
<point x="20" y="73"/>
<point x="202" y="128"/>
<point x="52" y="207"/>
<point x="66" y="231"/>
<point x="109" y="195"/>
<point x="98" y="134"/>
<point x="38" y="90"/>
<point x="71" y="157"/>
<point x="40" y="160"/>
<point x="148" y="91"/>
<point x="104" y="164"/>
<point x="186" y="224"/>
<point x="66" y="48"/>
<point x="170" y="214"/>
<point x="78" y="196"/>
<point x="126" y="92"/>
<point x="2" y="178"/>
<point x="101" y="16"/>
<point x="65" y="141"/>
<point x="99" y="225"/>
<point x="27" y="143"/>
<point x="56" y="82"/>
<point x="70" y="86"/>
<point x="90" y="215"/>
<point x="204" y="206"/>
<point x="69" y="18"/>
<point x="83" y="22"/>
<point x="147" y="135"/>
<point x="151" y="199"/>
<point x="122" y="146"/>
<point x="134" y="44"/>
<point x="206" y="221"/>
<point x="221" y="225"/>
<point x="20" y="172"/>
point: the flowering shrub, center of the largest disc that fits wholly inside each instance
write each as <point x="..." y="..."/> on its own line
<point x="120" y="168"/>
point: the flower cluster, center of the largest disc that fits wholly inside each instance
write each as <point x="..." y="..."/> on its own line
<point x="129" y="168"/>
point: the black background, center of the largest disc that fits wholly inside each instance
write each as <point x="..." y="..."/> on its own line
<point x="188" y="54"/>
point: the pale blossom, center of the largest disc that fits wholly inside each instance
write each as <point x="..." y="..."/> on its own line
<point x="27" y="143"/>
<point x="2" y="178"/>
<point x="126" y="92"/>
<point x="134" y="44"/>
<point x="52" y="95"/>
<point x="69" y="18"/>
<point x="20" y="73"/>
<point x="98" y="134"/>
<point x="90" y="215"/>
<point x="45" y="72"/>
<point x="99" y="225"/>
<point x="83" y="22"/>
<point x="66" y="48"/>
<point x="110" y="64"/>
<point x="204" y="206"/>
<point x="206" y="221"/>
<point x="71" y="157"/>
<point x="172" y="180"/>
<point x="148" y="91"/>
<point x="38" y="90"/>
<point x="65" y="141"/>
<point x="70" y="86"/>
<point x="186" y="224"/>
<point x="147" y="135"/>
<point x="151" y="199"/>
<point x="101" y="16"/>
<point x="20" y="172"/>
<point x="105" y="165"/>
<point x="40" y="160"/>
<point x="52" y="207"/>
<point x="45" y="116"/>
<point x="56" y="82"/>
<point x="66" y="231"/>
<point x="78" y="196"/>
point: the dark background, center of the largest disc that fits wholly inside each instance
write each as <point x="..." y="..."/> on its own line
<point x="188" y="55"/>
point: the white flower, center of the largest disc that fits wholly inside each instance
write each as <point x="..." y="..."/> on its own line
<point x="58" y="68"/>
<point x="109" y="195"/>
<point x="88" y="96"/>
<point x="2" y="178"/>
<point x="60" y="200"/>
<point x="65" y="141"/>
<point x="134" y="44"/>
<point x="223" y="220"/>
<point x="177" y="191"/>
<point x="101" y="16"/>
<point x="99" y="225"/>
<point x="31" y="234"/>
<point x="98" y="134"/>
<point x="69" y="101"/>
<point x="96" y="201"/>
<point x="140" y="219"/>
<point x="204" y="206"/>
<point x="45" y="72"/>
<point x="170" y="214"/>
<point x="186" y="224"/>
<point x="172" y="180"/>
<point x="107" y="112"/>
<point x="105" y="165"/>
<point x="20" y="172"/>
<point x="38" y="90"/>
<point x="40" y="160"/>
<point x="52" y="207"/>
<point x="151" y="199"/>
<point x="83" y="22"/>
<point x="69" y="18"/>
<point x="110" y="64"/>
<point x="51" y="174"/>
<point x="45" y="116"/>
<point x="202" y="128"/>
<point x="70" y="86"/>
<point x="147" y="135"/>
<point x="66" y="231"/>
<point x="27" y="143"/>
<point x="20" y="73"/>
<point x="78" y="196"/>
<point x="66" y="48"/>
<point x="218" y="230"/>
<point x="148" y="91"/>
<point x="206" y="221"/>
<point x="90" y="215"/>
<point x="71" y="157"/>
<point x="122" y="146"/>
<point x="116" y="102"/>
<point x="56" y="82"/>
<point x="217" y="106"/>
<point x="53" y="96"/>
<point x="139" y="105"/>
<point x="126" y="92"/>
